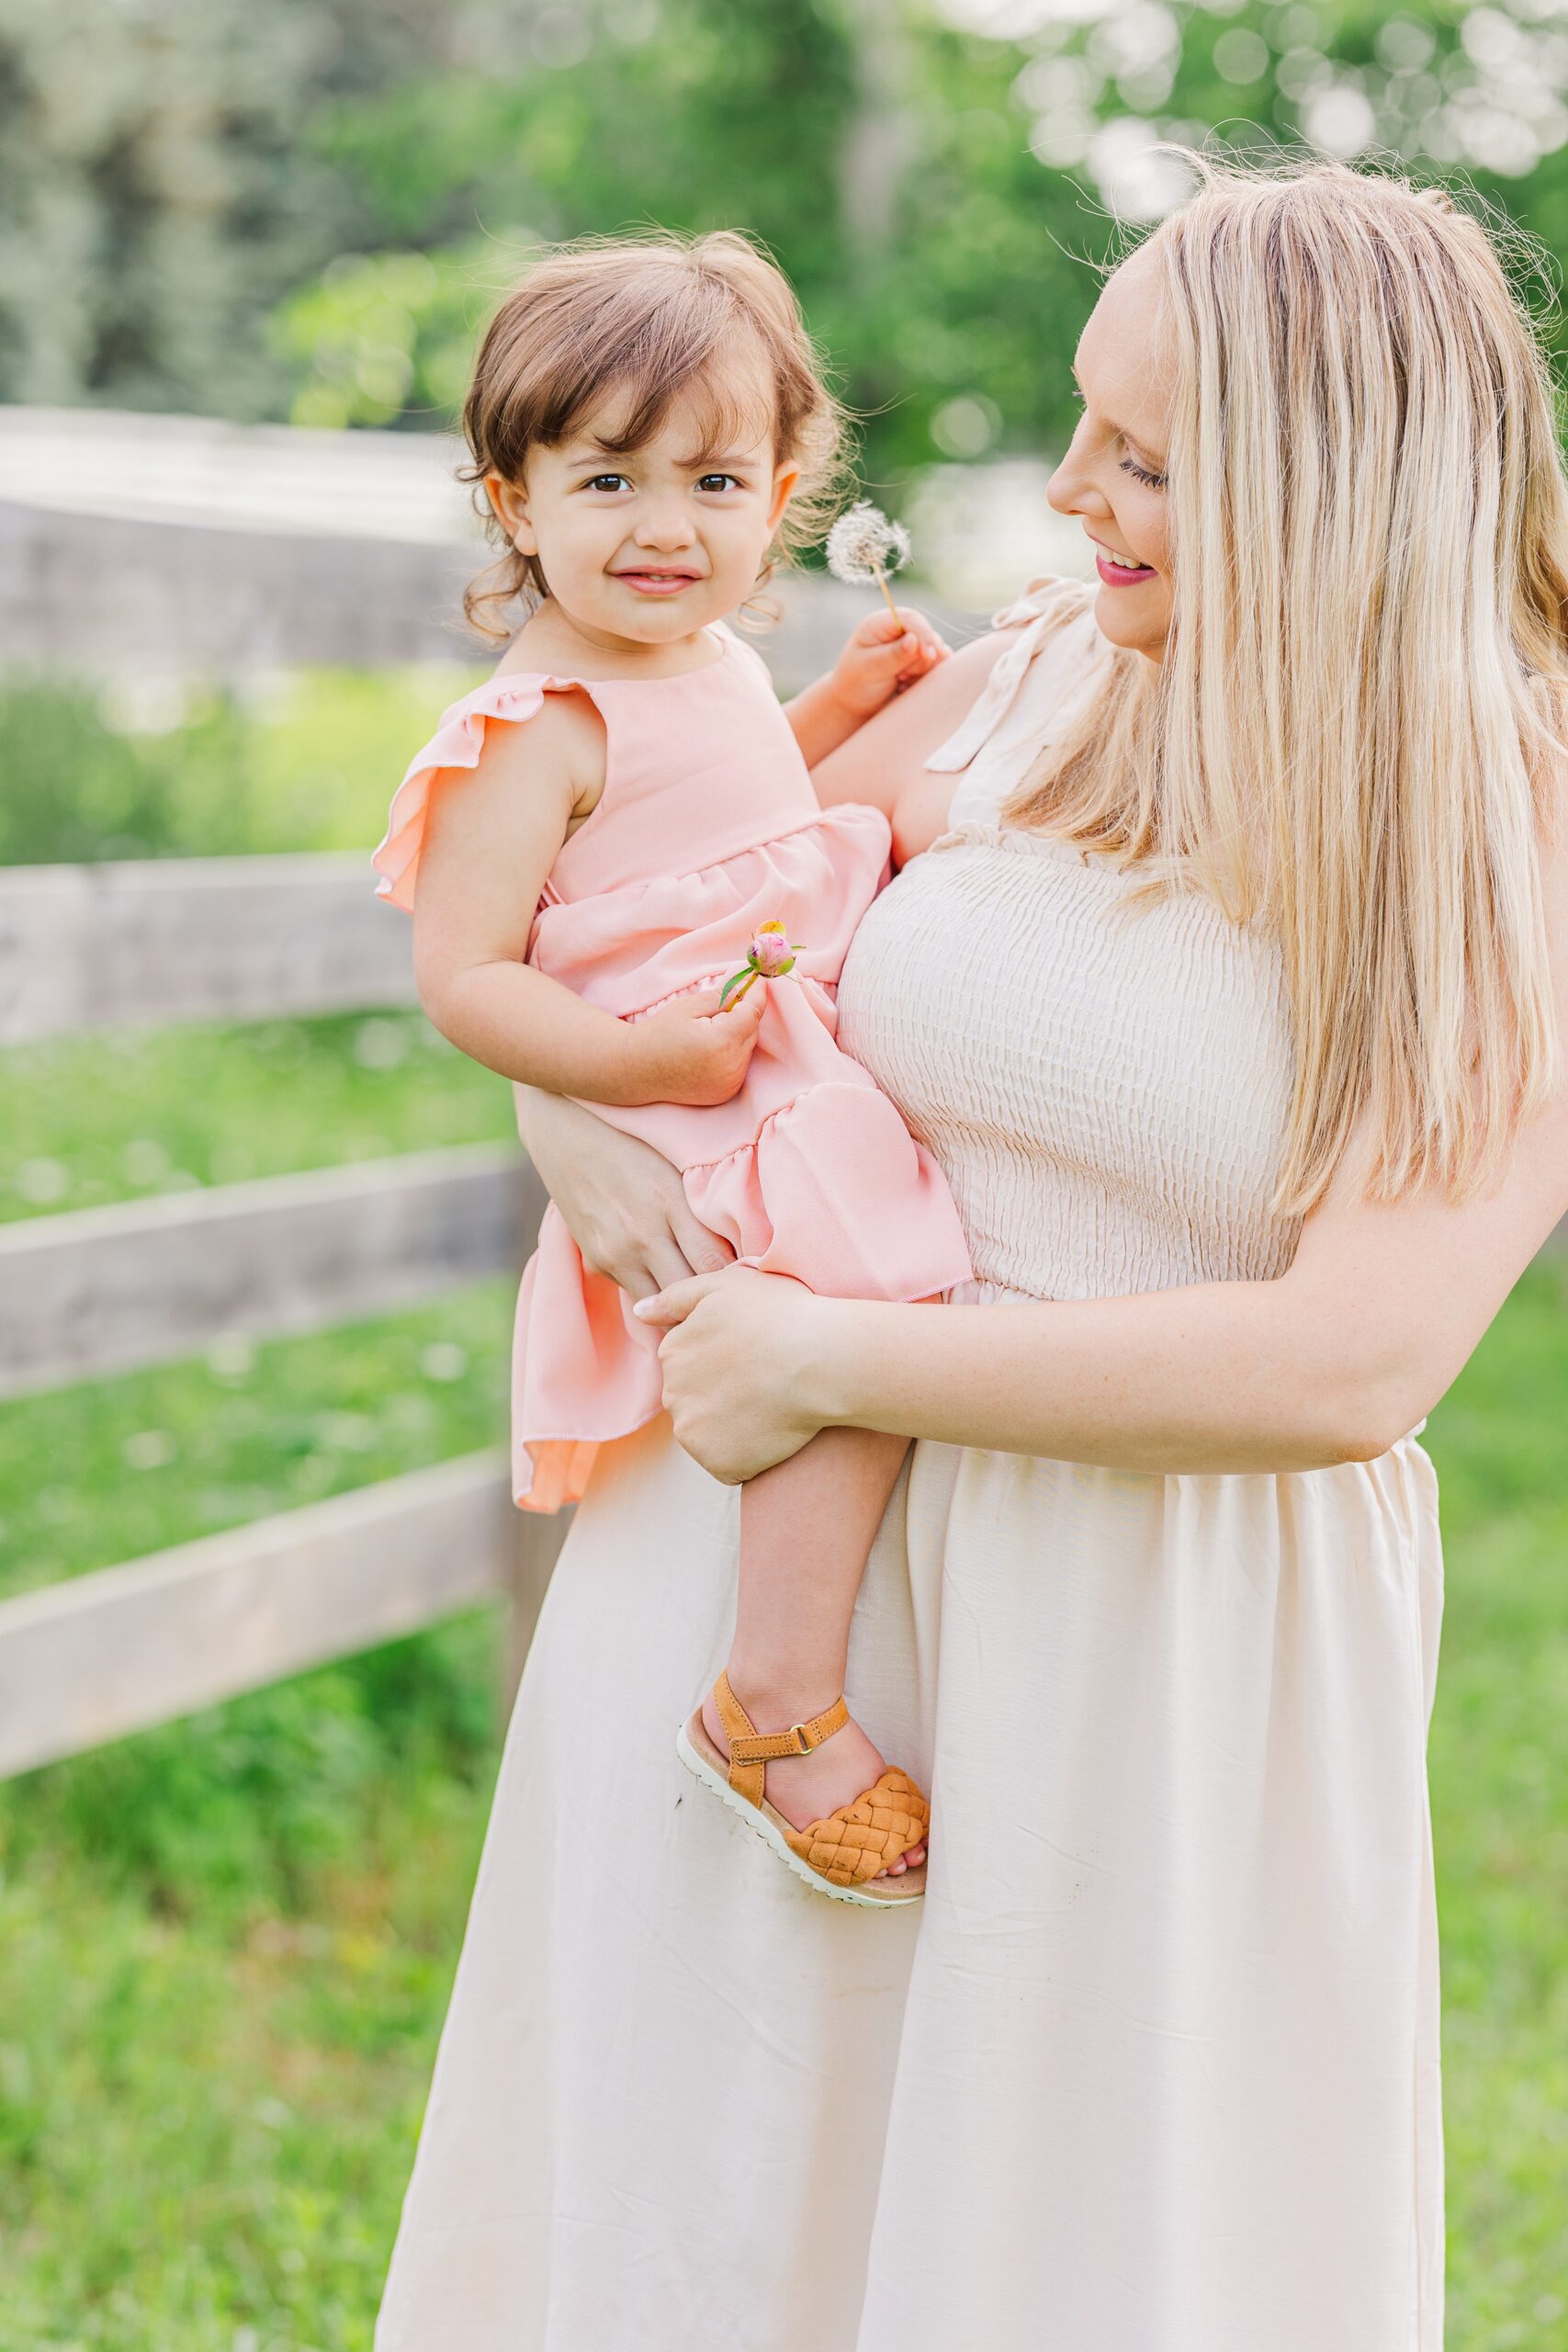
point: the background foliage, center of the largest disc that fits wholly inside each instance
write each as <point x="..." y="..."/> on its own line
<point x="303" y="208"/>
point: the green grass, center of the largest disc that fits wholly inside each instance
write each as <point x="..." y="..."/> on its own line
<point x="225" y="1946"/>
<point x="110" y="1118"/>
<point x="1500" y="1795"/>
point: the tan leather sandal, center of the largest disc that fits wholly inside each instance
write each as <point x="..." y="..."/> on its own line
<point x="840" y="1856"/>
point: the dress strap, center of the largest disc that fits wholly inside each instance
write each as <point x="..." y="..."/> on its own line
<point x="1040" y="610"/>
<point x="1058" y="649"/>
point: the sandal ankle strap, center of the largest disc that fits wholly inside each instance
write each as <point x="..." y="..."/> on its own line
<point x="751" y="1750"/>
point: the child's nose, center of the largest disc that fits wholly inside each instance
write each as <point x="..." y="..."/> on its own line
<point x="665" y="527"/>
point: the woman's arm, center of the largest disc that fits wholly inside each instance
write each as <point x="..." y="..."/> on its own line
<point x="1332" y="1362"/>
<point x="624" y="1205"/>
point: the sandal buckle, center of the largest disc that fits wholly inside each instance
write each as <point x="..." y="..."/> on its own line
<point x="802" y="1744"/>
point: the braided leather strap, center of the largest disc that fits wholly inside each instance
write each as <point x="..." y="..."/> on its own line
<point x="859" y="1840"/>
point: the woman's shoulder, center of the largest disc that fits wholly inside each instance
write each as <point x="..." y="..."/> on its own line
<point x="1047" y="644"/>
<point x="1049" y="602"/>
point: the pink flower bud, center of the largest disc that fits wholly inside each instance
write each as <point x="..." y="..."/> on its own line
<point x="771" y="951"/>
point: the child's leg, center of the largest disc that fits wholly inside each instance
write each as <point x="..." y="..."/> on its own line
<point x="806" y="1527"/>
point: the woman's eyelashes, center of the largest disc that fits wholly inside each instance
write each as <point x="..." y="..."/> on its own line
<point x="1129" y="464"/>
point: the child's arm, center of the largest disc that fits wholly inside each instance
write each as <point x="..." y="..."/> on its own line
<point x="882" y="656"/>
<point x="491" y="837"/>
<point x="884" y="763"/>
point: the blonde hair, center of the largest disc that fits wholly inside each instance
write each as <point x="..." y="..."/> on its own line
<point x="645" y="319"/>
<point x="1351" y="739"/>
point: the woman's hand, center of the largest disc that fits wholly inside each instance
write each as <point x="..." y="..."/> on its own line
<point x="624" y="1205"/>
<point x="737" y="1356"/>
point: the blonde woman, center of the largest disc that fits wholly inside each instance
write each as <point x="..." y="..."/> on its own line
<point x="1228" y="1000"/>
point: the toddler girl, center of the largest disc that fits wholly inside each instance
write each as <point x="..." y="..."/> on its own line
<point x="604" y="832"/>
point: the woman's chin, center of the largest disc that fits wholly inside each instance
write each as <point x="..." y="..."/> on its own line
<point x="1135" y="618"/>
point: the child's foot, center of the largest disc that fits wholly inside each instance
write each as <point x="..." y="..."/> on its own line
<point x="809" y="1788"/>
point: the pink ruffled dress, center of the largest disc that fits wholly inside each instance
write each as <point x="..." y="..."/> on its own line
<point x="707" y="827"/>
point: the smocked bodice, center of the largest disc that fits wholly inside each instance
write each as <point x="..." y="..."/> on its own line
<point x="1103" y="1078"/>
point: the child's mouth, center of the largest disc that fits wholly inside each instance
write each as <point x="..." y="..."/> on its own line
<point x="658" y="583"/>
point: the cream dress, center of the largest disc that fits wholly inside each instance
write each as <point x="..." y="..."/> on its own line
<point x="1154" y="2067"/>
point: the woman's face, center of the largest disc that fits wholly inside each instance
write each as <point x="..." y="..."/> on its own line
<point x="1112" y="477"/>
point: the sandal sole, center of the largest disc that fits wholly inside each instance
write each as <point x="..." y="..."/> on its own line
<point x="710" y="1771"/>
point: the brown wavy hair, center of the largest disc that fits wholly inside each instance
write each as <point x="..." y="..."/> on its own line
<point x="646" y="318"/>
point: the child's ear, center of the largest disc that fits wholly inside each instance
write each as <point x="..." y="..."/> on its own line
<point x="511" y="509"/>
<point x="786" y="481"/>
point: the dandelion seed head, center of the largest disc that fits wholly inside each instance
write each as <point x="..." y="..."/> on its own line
<point x="864" y="545"/>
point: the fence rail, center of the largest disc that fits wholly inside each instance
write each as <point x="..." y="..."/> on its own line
<point x="94" y="1292"/>
<point x="97" y="1290"/>
<point x="194" y="939"/>
<point x="126" y="1648"/>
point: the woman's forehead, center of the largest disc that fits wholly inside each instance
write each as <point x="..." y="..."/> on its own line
<point x="1124" y="355"/>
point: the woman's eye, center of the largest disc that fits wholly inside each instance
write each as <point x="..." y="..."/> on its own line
<point x="1142" y="473"/>
<point x="718" y="482"/>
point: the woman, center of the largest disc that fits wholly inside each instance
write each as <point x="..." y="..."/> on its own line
<point x="1229" y="1005"/>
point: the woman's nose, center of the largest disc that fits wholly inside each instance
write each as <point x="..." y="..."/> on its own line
<point x="1070" y="491"/>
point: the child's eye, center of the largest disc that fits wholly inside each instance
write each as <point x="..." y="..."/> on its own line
<point x="1142" y="473"/>
<point x="609" y="482"/>
<point x="717" y="482"/>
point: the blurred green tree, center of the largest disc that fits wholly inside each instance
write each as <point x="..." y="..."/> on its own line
<point x="305" y="207"/>
<point x="882" y="155"/>
<point x="159" y="191"/>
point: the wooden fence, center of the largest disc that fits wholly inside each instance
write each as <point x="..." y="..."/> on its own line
<point x="101" y="1291"/>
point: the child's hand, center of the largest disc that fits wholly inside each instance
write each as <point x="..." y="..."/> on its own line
<point x="882" y="658"/>
<point x="691" y="1052"/>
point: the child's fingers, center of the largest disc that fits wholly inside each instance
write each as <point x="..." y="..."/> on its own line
<point x="881" y="627"/>
<point x="903" y="647"/>
<point x="751" y="1007"/>
<point x="933" y="645"/>
<point x="743" y="1011"/>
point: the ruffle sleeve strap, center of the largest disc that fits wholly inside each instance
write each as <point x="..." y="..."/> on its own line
<point x="1047" y="605"/>
<point x="457" y="743"/>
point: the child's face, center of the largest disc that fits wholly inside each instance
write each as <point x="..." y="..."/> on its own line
<point x="648" y="547"/>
